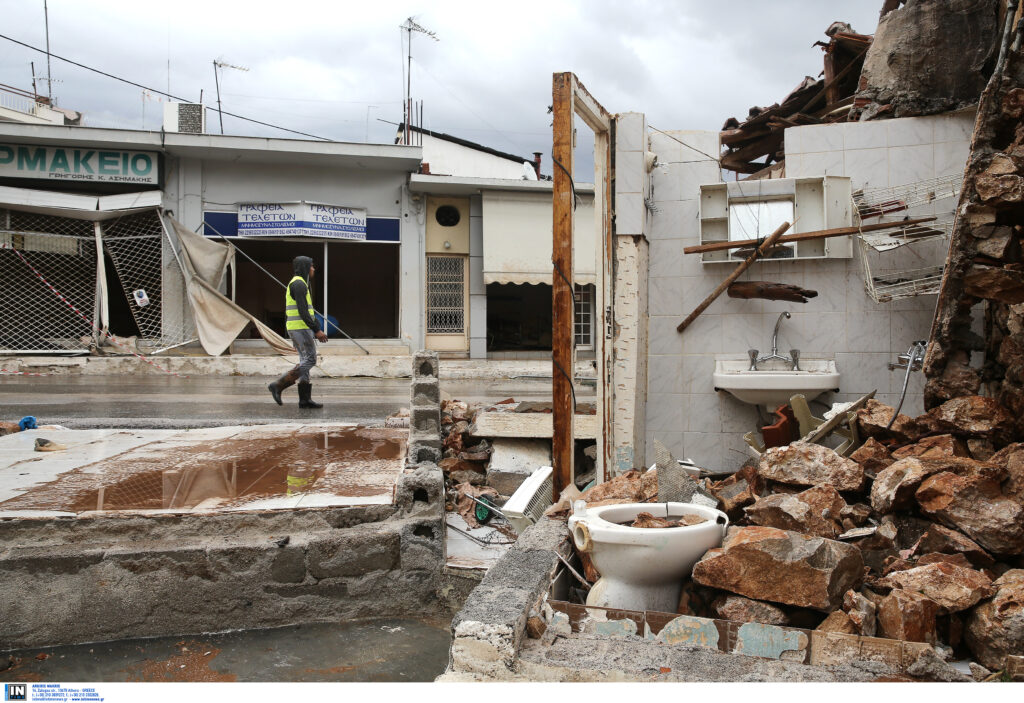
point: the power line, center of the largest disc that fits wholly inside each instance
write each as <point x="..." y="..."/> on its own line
<point x="155" y="90"/>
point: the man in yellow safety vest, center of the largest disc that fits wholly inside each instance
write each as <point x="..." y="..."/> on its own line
<point x="304" y="331"/>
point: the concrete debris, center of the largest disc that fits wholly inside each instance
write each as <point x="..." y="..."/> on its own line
<point x="873" y="421"/>
<point x="738" y="490"/>
<point x="809" y="465"/>
<point x="780" y="566"/>
<point x="837" y="621"/>
<point x="904" y="615"/>
<point x="740" y="609"/>
<point x="995" y="628"/>
<point x="514" y="460"/>
<point x="861" y="612"/>
<point x="953" y="588"/>
<point x="872" y="457"/>
<point x="970" y="416"/>
<point x="975" y="505"/>
<point x="894" y="488"/>
<point x="816" y="511"/>
<point x="930" y="667"/>
<point x="934" y="447"/>
<point x="1011" y="459"/>
<point x="978" y="672"/>
<point x="946" y="541"/>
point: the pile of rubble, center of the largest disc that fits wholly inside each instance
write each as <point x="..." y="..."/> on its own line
<point x="918" y="535"/>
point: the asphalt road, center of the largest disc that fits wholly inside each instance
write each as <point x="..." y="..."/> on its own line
<point x="167" y="402"/>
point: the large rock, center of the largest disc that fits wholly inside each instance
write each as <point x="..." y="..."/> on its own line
<point x="872" y="457"/>
<point x="946" y="541"/>
<point x="974" y="505"/>
<point x="895" y="486"/>
<point x="935" y="447"/>
<point x="740" y="609"/>
<point x="803" y="464"/>
<point x="738" y="490"/>
<point x="765" y="563"/>
<point x="838" y="621"/>
<point x="908" y="616"/>
<point x="954" y="588"/>
<point x="971" y="416"/>
<point x="873" y="420"/>
<point x="995" y="628"/>
<point x="1011" y="459"/>
<point x="816" y="511"/>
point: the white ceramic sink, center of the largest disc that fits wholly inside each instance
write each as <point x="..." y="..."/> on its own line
<point x="774" y="381"/>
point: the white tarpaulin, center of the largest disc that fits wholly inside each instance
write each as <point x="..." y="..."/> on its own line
<point x="218" y="320"/>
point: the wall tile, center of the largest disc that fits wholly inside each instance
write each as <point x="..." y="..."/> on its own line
<point x="703" y="336"/>
<point x="868" y="332"/>
<point x="868" y="168"/>
<point x="698" y="373"/>
<point x="860" y="373"/>
<point x="910" y="164"/>
<point x="864" y="135"/>
<point x="736" y="416"/>
<point x="816" y="138"/>
<point x="701" y="412"/>
<point x="908" y="326"/>
<point x="742" y="332"/>
<point x="673" y="441"/>
<point x="664" y="412"/>
<point x="630" y="131"/>
<point x="629" y="213"/>
<point x="666" y="258"/>
<point x="954" y="126"/>
<point x="823" y="163"/>
<point x="950" y="160"/>
<point x="665" y="375"/>
<point x="663" y="338"/>
<point x="709" y="450"/>
<point x="910" y="131"/>
<point x="665" y="296"/>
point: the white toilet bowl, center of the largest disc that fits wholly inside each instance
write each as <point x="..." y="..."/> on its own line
<point x="643" y="568"/>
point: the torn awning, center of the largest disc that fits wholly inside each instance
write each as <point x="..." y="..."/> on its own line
<point x="517" y="238"/>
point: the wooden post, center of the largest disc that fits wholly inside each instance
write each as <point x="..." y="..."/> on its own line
<point x="768" y="244"/>
<point x="561" y="287"/>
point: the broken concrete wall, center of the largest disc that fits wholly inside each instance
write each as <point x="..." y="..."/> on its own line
<point x="65" y="581"/>
<point x="928" y="57"/>
<point x="629" y="307"/>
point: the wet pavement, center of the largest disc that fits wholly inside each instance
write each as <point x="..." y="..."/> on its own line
<point x="227" y="468"/>
<point x="165" y="401"/>
<point x="363" y="650"/>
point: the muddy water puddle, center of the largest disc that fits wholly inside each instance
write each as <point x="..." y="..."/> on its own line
<point x="386" y="649"/>
<point x="348" y="461"/>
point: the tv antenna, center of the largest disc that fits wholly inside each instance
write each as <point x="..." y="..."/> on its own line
<point x="410" y="25"/>
<point x="217" y="65"/>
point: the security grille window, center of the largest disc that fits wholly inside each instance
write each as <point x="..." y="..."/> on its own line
<point x="39" y="316"/>
<point x="446" y="290"/>
<point x="584" y="318"/>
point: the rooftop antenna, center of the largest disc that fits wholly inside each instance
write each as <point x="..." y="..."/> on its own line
<point x="217" y="65"/>
<point x="49" y="78"/>
<point x="410" y="25"/>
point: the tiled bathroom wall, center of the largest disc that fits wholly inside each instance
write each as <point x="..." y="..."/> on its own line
<point x="842" y="322"/>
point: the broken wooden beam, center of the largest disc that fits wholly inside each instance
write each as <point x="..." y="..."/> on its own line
<point x="766" y="290"/>
<point x="768" y="244"/>
<point x="804" y="236"/>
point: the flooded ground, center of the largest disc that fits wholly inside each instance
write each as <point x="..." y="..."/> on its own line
<point x="364" y="650"/>
<point x="243" y="467"/>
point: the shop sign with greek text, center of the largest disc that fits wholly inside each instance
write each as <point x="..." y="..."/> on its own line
<point x="301" y="220"/>
<point x="79" y="164"/>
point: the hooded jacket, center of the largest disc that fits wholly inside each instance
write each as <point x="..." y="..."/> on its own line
<point x="301" y="266"/>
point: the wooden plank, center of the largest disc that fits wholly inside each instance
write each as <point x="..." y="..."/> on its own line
<point x="804" y="236"/>
<point x="531" y="425"/>
<point x="562" y="444"/>
<point x="768" y="244"/>
<point x="584" y="105"/>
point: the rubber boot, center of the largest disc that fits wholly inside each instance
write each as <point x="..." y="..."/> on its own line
<point x="280" y="384"/>
<point x="305" y="396"/>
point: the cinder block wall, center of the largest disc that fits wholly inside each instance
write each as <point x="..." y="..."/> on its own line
<point x="683" y="409"/>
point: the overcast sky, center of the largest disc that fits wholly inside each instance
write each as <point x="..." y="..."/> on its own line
<point x="334" y="68"/>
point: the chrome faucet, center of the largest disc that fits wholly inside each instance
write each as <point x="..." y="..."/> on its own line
<point x="794" y="354"/>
